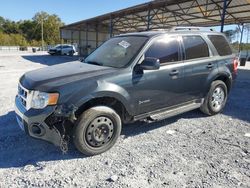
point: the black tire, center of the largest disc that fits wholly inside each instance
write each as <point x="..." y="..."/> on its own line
<point x="96" y="121"/>
<point x="71" y="53"/>
<point x="58" y="52"/>
<point x="210" y="105"/>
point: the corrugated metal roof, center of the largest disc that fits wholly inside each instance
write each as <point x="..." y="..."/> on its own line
<point x="168" y="13"/>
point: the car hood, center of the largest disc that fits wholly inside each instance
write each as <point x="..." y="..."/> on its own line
<point x="58" y="75"/>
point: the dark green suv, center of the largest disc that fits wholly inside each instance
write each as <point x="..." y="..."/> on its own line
<point x="145" y="75"/>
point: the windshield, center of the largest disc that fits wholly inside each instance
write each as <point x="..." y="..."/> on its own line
<point x="117" y="52"/>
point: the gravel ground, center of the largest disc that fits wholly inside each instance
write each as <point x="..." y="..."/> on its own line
<point x="190" y="150"/>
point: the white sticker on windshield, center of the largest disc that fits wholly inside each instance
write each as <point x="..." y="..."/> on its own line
<point x="124" y="44"/>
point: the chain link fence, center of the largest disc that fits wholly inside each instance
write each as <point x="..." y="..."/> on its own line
<point x="24" y="48"/>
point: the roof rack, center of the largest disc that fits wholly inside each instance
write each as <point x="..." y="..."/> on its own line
<point x="189" y="28"/>
<point x="182" y="28"/>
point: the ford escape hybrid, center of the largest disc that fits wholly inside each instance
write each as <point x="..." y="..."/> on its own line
<point x="146" y="75"/>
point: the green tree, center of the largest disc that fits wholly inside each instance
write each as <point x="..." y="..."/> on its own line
<point x="29" y="29"/>
<point x="12" y="40"/>
<point x="10" y="27"/>
<point x="2" y="20"/>
<point x="51" y="27"/>
<point x="28" y="32"/>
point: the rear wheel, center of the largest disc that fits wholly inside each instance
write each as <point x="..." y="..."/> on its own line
<point x="216" y="98"/>
<point x="97" y="130"/>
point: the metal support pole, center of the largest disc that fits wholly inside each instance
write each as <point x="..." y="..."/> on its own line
<point x="241" y="37"/>
<point x="87" y="39"/>
<point x="71" y="37"/>
<point x="247" y="39"/>
<point x="61" y="36"/>
<point x="223" y="16"/>
<point x="149" y="19"/>
<point x="96" y="36"/>
<point x="111" y="27"/>
<point x="79" y="43"/>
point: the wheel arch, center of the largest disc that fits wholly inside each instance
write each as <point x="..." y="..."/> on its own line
<point x="226" y="79"/>
<point x="223" y="76"/>
<point x="110" y="101"/>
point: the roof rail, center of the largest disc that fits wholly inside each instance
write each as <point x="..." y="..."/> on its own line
<point x="189" y="28"/>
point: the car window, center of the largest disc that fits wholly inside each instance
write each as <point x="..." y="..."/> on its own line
<point x="117" y="52"/>
<point x="165" y="49"/>
<point x="195" y="47"/>
<point x="221" y="45"/>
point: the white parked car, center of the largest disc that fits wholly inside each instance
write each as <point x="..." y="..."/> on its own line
<point x="62" y="49"/>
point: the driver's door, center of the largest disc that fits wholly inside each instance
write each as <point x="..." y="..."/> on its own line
<point x="164" y="87"/>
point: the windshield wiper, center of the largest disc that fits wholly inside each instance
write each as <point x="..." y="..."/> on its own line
<point x="94" y="63"/>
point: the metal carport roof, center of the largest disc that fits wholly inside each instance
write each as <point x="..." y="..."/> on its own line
<point x="168" y="13"/>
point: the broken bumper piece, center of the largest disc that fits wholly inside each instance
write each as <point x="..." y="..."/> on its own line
<point x="32" y="121"/>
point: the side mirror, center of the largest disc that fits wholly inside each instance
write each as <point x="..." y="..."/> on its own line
<point x="150" y="63"/>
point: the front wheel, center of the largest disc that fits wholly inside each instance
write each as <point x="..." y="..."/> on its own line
<point x="216" y="98"/>
<point x="71" y="53"/>
<point x="97" y="130"/>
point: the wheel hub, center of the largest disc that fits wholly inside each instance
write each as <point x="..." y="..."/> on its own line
<point x="217" y="98"/>
<point x="99" y="131"/>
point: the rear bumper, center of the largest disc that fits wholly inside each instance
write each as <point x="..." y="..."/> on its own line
<point x="32" y="121"/>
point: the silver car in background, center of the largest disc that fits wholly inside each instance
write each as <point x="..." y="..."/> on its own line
<point x="62" y="49"/>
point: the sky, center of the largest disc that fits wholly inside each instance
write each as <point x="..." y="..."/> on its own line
<point x="68" y="10"/>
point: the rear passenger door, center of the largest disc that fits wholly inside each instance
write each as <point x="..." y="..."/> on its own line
<point x="198" y="64"/>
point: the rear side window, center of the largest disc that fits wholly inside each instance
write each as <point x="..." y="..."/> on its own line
<point x="195" y="47"/>
<point x="220" y="44"/>
<point x="165" y="49"/>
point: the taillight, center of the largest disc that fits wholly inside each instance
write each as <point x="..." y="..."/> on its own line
<point x="235" y="65"/>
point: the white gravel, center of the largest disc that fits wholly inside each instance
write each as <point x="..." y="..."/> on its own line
<point x="190" y="150"/>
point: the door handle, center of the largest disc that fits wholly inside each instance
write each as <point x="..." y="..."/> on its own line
<point x="210" y="65"/>
<point x="174" y="73"/>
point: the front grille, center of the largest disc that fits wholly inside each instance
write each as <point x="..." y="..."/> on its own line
<point x="22" y="94"/>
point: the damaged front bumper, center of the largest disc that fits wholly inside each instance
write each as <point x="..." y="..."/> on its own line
<point x="32" y="121"/>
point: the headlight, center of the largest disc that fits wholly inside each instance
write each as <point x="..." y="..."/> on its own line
<point x="42" y="99"/>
